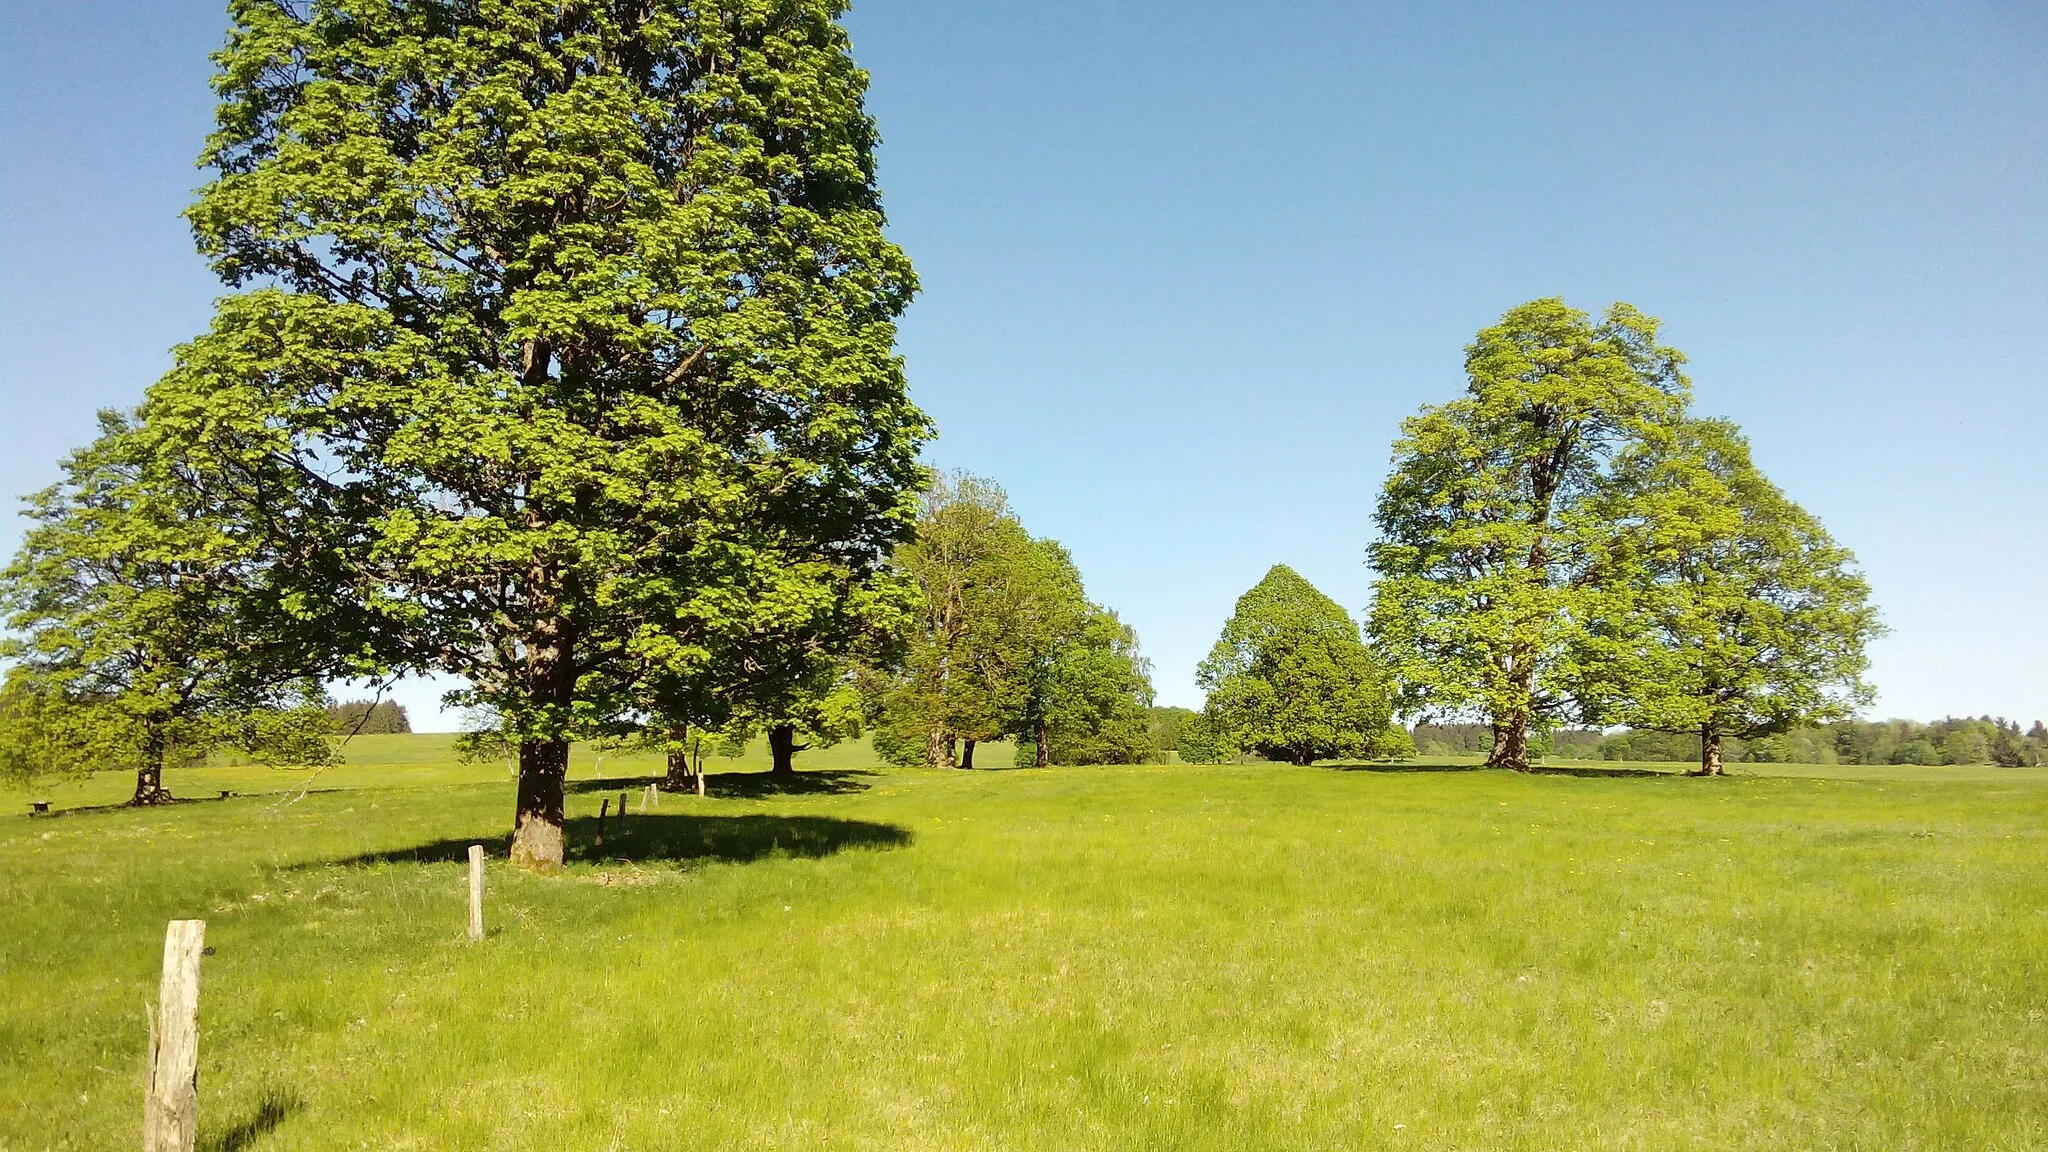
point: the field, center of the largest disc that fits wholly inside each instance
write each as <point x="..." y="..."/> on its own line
<point x="1166" y="957"/>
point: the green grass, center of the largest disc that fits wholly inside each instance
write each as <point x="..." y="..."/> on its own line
<point x="1233" y="957"/>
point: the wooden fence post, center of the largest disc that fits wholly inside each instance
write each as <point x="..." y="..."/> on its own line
<point x="476" y="891"/>
<point x="170" y="1110"/>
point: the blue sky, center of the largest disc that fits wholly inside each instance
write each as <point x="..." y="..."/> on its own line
<point x="1187" y="265"/>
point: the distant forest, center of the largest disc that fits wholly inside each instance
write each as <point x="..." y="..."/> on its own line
<point x="384" y="718"/>
<point x="1964" y="740"/>
<point x="1957" y="740"/>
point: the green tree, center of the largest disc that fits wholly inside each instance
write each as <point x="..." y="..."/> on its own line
<point x="1493" y="550"/>
<point x="1167" y="722"/>
<point x="1093" y="702"/>
<point x="147" y="631"/>
<point x="1199" y="743"/>
<point x="1755" y="619"/>
<point x="1291" y="679"/>
<point x="565" y="342"/>
<point x="369" y="718"/>
<point x="976" y="570"/>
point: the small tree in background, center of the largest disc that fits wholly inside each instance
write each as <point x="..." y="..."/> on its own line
<point x="1199" y="741"/>
<point x="1093" y="703"/>
<point x="148" y="633"/>
<point x="1492" y="558"/>
<point x="974" y="567"/>
<point x="1748" y="620"/>
<point x="1291" y="679"/>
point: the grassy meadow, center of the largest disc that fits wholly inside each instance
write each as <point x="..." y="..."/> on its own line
<point x="1170" y="957"/>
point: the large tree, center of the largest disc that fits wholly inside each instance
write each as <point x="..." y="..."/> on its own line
<point x="1748" y="620"/>
<point x="565" y="340"/>
<point x="1291" y="679"/>
<point x="1492" y="554"/>
<point x="147" y="630"/>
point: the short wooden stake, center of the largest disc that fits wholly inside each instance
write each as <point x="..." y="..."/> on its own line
<point x="622" y="813"/>
<point x="476" y="891"/>
<point x="651" y="799"/>
<point x="170" y="1110"/>
<point x="604" y="812"/>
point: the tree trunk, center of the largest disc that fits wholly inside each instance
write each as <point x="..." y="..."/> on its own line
<point x="938" y="748"/>
<point x="1510" y="743"/>
<point x="1710" y="751"/>
<point x="1304" y="758"/>
<point x="678" y="778"/>
<point x="149" y="775"/>
<point x="967" y="755"/>
<point x="783" y="747"/>
<point x="1044" y="745"/>
<point x="538" y="839"/>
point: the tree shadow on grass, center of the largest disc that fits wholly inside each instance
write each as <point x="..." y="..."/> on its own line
<point x="679" y="836"/>
<point x="743" y="785"/>
<point x="275" y="1108"/>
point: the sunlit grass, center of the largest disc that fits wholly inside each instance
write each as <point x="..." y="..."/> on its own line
<point x="1250" y="956"/>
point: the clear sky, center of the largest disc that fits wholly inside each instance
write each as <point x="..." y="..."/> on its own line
<point x="1187" y="265"/>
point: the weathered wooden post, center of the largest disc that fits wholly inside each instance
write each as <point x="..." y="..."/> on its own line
<point x="476" y="891"/>
<point x="170" y="1110"/>
<point x="622" y="813"/>
<point x="604" y="812"/>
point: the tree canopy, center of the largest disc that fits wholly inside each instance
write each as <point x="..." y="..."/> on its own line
<point x="147" y="630"/>
<point x="564" y="344"/>
<point x="1006" y="644"/>
<point x="1291" y="679"/>
<point x="1748" y="619"/>
<point x="1494" y="546"/>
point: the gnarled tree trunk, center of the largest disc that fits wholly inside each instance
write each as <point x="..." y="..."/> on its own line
<point x="149" y="775"/>
<point x="1044" y="743"/>
<point x="1510" y="743"/>
<point x="678" y="777"/>
<point x="1710" y="751"/>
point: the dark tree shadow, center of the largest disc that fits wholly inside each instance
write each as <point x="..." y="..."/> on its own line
<point x="678" y="836"/>
<point x="275" y="1108"/>
<point x="170" y="802"/>
<point x="743" y="785"/>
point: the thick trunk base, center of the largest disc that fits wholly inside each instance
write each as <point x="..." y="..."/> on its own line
<point x="149" y="788"/>
<point x="1510" y="745"/>
<point x="539" y="839"/>
<point x="1038" y="733"/>
<point x="782" y="749"/>
<point x="678" y="778"/>
<point x="938" y="749"/>
<point x="967" y="755"/>
<point x="1710" y="754"/>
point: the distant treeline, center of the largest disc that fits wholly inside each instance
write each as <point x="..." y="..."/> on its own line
<point x="1964" y="740"/>
<point x="369" y="718"/>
